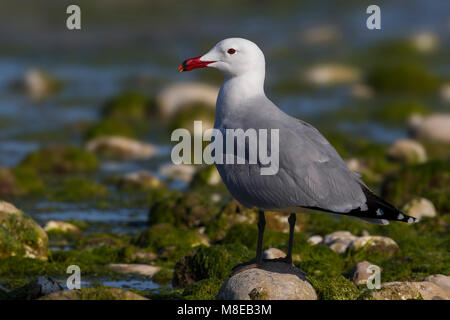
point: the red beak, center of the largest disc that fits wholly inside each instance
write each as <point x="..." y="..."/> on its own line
<point x="193" y="63"/>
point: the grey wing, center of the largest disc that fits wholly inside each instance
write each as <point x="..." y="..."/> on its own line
<point x="311" y="174"/>
<point x="314" y="166"/>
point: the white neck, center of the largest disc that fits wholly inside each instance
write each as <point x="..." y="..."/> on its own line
<point x="236" y="90"/>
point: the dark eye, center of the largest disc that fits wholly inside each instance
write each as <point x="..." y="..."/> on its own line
<point x="231" y="51"/>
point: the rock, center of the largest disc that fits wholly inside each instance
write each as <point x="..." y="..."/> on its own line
<point x="435" y="127"/>
<point x="339" y="241"/>
<point x="407" y="151"/>
<point x="142" y="269"/>
<point x="445" y="92"/>
<point x="121" y="147"/>
<point x="425" y="41"/>
<point x="20" y="235"/>
<point x="355" y="164"/>
<point x="361" y="91"/>
<point x="100" y="293"/>
<point x="37" y="288"/>
<point x="315" y="240"/>
<point x="179" y="95"/>
<point x="184" y="172"/>
<point x="441" y="281"/>
<point x="409" y="290"/>
<point x="331" y="74"/>
<point x="140" y="180"/>
<point x="8" y="184"/>
<point x="37" y="84"/>
<point x="380" y="244"/>
<point x="419" y="208"/>
<point x="273" y="281"/>
<point x="360" y="273"/>
<point x="61" y="226"/>
<point x="273" y="253"/>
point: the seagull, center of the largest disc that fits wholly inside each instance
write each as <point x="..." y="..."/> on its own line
<point x="311" y="175"/>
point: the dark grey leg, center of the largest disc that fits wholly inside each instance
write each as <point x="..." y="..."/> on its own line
<point x="291" y="220"/>
<point x="261" y="227"/>
<point x="258" y="261"/>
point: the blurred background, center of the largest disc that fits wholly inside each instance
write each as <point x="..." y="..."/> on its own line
<point x="86" y="115"/>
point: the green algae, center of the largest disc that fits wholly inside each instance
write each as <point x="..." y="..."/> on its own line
<point x="402" y="77"/>
<point x="182" y="210"/>
<point x="129" y="106"/>
<point x="77" y="189"/>
<point x="60" y="160"/>
<point x="334" y="288"/>
<point x="163" y="236"/>
<point x="111" y="127"/>
<point x="398" y="112"/>
<point x="430" y="180"/>
<point x="206" y="289"/>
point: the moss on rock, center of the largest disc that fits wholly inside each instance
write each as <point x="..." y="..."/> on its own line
<point x="20" y="236"/>
<point x="76" y="189"/>
<point x="60" y="160"/>
<point x="182" y="210"/>
<point x="334" y="288"/>
<point x="209" y="262"/>
<point x="129" y="105"/>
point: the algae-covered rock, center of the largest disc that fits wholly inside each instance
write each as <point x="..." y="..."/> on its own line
<point x="160" y="237"/>
<point x="272" y="281"/>
<point x="61" y="227"/>
<point x="334" y="288"/>
<point x="182" y="210"/>
<point x="20" y="235"/>
<point x="205" y="289"/>
<point x="208" y="262"/>
<point x="408" y="151"/>
<point x="408" y="291"/>
<point x="420" y="207"/>
<point x="129" y="106"/>
<point x="42" y="286"/>
<point x="60" y="159"/>
<point x="98" y="293"/>
<point x="121" y="147"/>
<point x="142" y="180"/>
<point x="378" y="244"/>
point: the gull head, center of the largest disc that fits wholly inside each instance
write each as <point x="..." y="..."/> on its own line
<point x="233" y="57"/>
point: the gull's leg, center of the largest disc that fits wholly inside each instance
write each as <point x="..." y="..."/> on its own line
<point x="292" y="219"/>
<point x="288" y="259"/>
<point x="258" y="261"/>
<point x="261" y="227"/>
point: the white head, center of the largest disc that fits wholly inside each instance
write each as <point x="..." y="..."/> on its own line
<point x="233" y="57"/>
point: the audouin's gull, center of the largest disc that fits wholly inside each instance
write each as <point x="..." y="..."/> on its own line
<point x="311" y="173"/>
